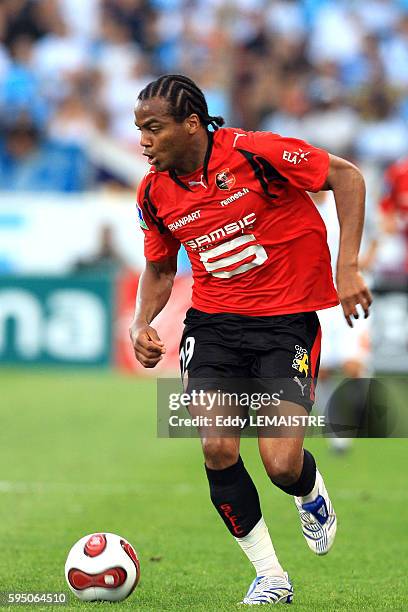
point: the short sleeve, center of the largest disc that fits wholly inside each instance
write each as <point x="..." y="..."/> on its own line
<point x="303" y="165"/>
<point x="158" y="241"/>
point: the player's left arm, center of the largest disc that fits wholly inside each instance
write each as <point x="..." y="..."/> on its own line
<point x="348" y="186"/>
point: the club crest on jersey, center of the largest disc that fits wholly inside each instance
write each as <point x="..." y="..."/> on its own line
<point x="142" y="222"/>
<point x="225" y="180"/>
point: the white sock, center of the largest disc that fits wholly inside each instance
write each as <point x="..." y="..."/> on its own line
<point x="314" y="492"/>
<point x="258" y="547"/>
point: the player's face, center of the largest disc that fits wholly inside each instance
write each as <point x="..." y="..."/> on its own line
<point x="165" y="142"/>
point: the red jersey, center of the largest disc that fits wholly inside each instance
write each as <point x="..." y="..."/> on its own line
<point x="395" y="200"/>
<point x="256" y="242"/>
<point x="396" y="197"/>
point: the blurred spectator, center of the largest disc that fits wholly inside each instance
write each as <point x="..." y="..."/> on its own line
<point x="383" y="135"/>
<point x="107" y="259"/>
<point x="331" y="124"/>
<point x="118" y="97"/>
<point x="378" y="17"/>
<point x="212" y="83"/>
<point x="81" y="18"/>
<point x="123" y="71"/>
<point x="336" y="34"/>
<point x="394" y="52"/>
<point x="334" y="72"/>
<point x="22" y="18"/>
<point x="20" y="91"/>
<point x="133" y="13"/>
<point x="365" y="67"/>
<point x="117" y="51"/>
<point x="73" y="122"/>
<point x="59" y="57"/>
<point x="286" y="19"/>
<point x="4" y="59"/>
<point x="29" y="164"/>
<point x="288" y="118"/>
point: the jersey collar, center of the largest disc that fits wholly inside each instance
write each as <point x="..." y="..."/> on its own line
<point x="177" y="179"/>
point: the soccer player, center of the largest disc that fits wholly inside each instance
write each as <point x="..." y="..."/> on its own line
<point x="344" y="350"/>
<point x="394" y="204"/>
<point x="237" y="201"/>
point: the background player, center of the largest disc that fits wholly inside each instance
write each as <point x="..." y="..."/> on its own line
<point x="394" y="205"/>
<point x="344" y="351"/>
<point x="261" y="268"/>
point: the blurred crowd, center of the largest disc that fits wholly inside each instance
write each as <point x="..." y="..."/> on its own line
<point x="333" y="72"/>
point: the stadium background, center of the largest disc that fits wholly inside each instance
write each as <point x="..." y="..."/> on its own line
<point x="333" y="73"/>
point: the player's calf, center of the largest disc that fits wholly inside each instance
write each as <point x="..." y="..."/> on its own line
<point x="289" y="467"/>
<point x="235" y="498"/>
<point x="317" y="516"/>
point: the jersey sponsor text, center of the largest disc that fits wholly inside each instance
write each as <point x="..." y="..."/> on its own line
<point x="296" y="157"/>
<point x="221" y="232"/>
<point x="184" y="220"/>
<point x="234" y="197"/>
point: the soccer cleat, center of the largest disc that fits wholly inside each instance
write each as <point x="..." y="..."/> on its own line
<point x="269" y="590"/>
<point x="318" y="520"/>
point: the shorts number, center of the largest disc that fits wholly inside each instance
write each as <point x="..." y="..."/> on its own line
<point x="216" y="267"/>
<point x="186" y="353"/>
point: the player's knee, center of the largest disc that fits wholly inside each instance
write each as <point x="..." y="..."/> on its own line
<point x="353" y="368"/>
<point x="283" y="470"/>
<point x="220" y="453"/>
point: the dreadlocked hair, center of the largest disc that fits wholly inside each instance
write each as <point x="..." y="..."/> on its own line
<point x="183" y="97"/>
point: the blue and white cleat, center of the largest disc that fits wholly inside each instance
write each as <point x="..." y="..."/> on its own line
<point x="318" y="520"/>
<point x="269" y="590"/>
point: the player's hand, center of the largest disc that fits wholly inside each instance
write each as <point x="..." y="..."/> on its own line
<point x="148" y="347"/>
<point x="352" y="290"/>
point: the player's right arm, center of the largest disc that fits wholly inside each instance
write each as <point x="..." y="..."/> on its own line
<point x="156" y="281"/>
<point x="154" y="290"/>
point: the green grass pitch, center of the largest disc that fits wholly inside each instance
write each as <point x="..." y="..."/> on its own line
<point x="79" y="453"/>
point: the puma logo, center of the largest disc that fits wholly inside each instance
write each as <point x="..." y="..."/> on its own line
<point x="299" y="382"/>
<point x="237" y="135"/>
<point x="200" y="182"/>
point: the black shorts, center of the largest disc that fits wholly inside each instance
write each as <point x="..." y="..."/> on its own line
<point x="276" y="354"/>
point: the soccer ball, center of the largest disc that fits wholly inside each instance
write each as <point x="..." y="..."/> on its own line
<point x="102" y="566"/>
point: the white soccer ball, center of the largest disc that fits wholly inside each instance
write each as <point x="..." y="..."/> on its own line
<point x="102" y="566"/>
